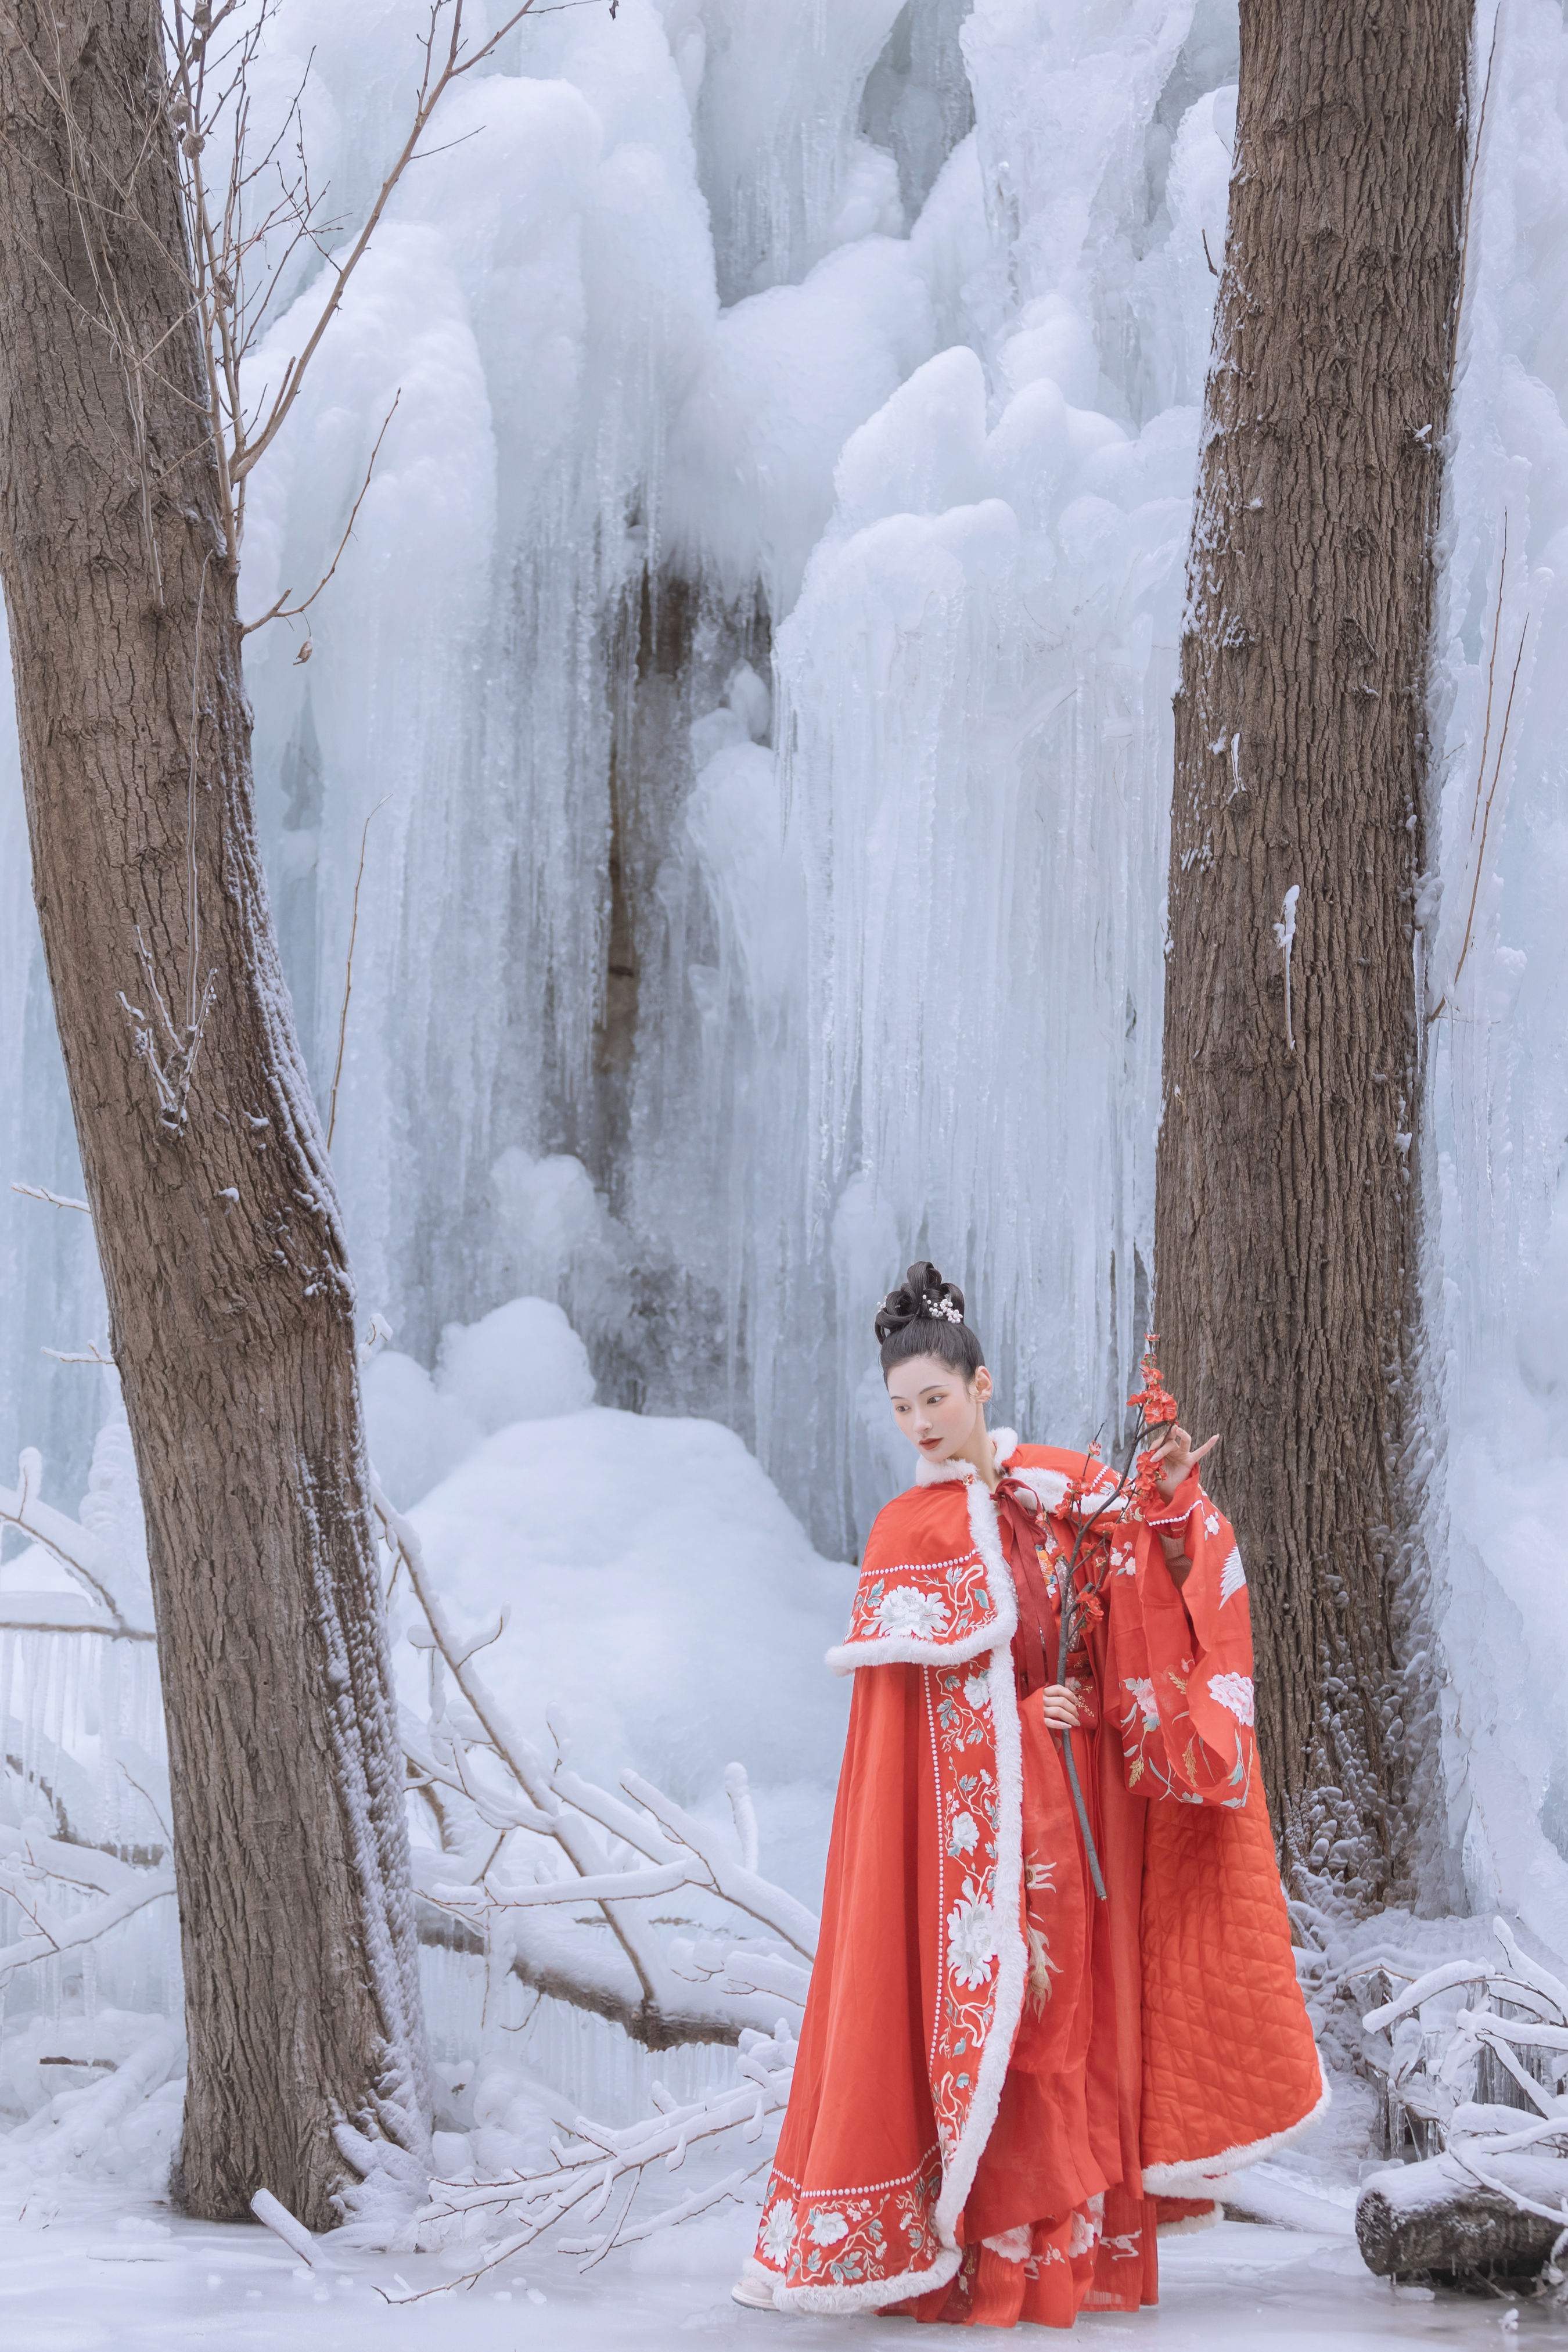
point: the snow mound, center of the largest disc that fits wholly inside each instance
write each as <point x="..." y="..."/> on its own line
<point x="522" y="1361"/>
<point x="666" y="1613"/>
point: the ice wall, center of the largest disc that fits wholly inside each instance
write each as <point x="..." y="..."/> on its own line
<point x="747" y="689"/>
<point x="1493" y="1141"/>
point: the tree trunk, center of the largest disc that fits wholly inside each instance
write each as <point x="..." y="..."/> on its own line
<point x="217" y="1224"/>
<point x="1285" y="1245"/>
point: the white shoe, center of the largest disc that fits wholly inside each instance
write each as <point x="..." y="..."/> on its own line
<point x="755" y="2287"/>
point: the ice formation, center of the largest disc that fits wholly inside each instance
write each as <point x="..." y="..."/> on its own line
<point x="748" y="686"/>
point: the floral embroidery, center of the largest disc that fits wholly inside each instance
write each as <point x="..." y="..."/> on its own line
<point x="883" y="2231"/>
<point x="924" y="1601"/>
<point x="1234" y="1692"/>
<point x="777" y="2231"/>
<point x="1143" y="1691"/>
<point x="1038" y="1879"/>
<point x="1232" y="1576"/>
<point x="969" y="1799"/>
<point x="906" y="1610"/>
<point x="970" y="1938"/>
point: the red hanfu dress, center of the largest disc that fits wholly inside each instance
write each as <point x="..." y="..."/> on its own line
<point x="1005" y="2086"/>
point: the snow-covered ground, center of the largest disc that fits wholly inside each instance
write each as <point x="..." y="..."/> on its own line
<point x="94" y="2271"/>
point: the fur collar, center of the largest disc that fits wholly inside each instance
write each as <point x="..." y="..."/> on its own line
<point x="933" y="1474"/>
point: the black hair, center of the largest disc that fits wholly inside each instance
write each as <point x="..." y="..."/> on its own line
<point x="924" y="1316"/>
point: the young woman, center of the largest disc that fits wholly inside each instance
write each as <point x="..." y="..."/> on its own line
<point x="1009" y="2082"/>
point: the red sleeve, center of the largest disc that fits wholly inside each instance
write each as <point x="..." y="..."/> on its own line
<point x="1178" y="1661"/>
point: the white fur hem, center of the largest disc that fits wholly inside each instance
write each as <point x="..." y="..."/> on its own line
<point x="909" y="1650"/>
<point x="1012" y="1966"/>
<point x="869" y="2295"/>
<point x="1190" y="2223"/>
<point x="1202" y="2176"/>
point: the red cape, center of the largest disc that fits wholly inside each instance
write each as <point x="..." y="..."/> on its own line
<point x="919" y="1983"/>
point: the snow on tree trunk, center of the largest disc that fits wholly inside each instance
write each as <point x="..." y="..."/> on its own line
<point x="213" y="1204"/>
<point x="1284" y="1228"/>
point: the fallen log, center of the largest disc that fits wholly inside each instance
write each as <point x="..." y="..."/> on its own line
<point x="1435" y="2218"/>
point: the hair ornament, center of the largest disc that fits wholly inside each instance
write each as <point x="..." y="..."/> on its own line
<point x="942" y="1307"/>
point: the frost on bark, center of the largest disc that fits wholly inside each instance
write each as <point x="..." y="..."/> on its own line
<point x="1285" y="1244"/>
<point x="213" y="1206"/>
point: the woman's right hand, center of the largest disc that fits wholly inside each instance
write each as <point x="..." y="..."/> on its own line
<point x="1060" y="1707"/>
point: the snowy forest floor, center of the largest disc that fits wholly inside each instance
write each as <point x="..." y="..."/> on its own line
<point x="91" y="2268"/>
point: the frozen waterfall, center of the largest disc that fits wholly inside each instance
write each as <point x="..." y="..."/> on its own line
<point x="748" y="686"/>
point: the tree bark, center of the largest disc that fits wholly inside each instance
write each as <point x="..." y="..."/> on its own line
<point x="217" y="1223"/>
<point x="1285" y="1244"/>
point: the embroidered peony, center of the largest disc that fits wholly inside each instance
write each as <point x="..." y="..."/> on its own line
<point x="971" y="1942"/>
<point x="907" y="1611"/>
<point x="1142" y="1691"/>
<point x="828" y="2227"/>
<point x="963" y="1837"/>
<point x="1234" y="1692"/>
<point x="977" y="1691"/>
<point x="778" y="2229"/>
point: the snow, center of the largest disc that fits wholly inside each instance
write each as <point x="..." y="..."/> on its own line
<point x="86" y="2271"/>
<point x="656" y="1586"/>
<point x="786" y="504"/>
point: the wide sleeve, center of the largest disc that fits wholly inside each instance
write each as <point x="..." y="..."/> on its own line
<point x="1180" y="1660"/>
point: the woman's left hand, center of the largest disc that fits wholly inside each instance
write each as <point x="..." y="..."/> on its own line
<point x="1174" y="1454"/>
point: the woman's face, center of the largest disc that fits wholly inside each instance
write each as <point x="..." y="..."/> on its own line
<point x="938" y="1411"/>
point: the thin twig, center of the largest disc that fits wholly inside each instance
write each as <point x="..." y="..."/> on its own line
<point x="1470" y="197"/>
<point x="1485" y="821"/>
<point x="56" y="1199"/>
<point x="427" y="98"/>
<point x="1064" y="1645"/>
<point x="282" y="610"/>
<point x="349" y="970"/>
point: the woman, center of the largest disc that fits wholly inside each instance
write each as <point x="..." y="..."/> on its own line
<point x="1008" y="2082"/>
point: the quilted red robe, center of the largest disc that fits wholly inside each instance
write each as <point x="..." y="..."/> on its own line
<point x="980" y="2034"/>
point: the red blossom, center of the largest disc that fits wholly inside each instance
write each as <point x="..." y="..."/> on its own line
<point x="1158" y="1407"/>
<point x="1153" y="1399"/>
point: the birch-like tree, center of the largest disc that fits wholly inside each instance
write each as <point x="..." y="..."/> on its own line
<point x="1287" y="1196"/>
<point x="124" y="451"/>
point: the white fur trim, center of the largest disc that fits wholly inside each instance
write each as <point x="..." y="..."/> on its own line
<point x="1012" y="1966"/>
<point x="1201" y="2176"/>
<point x="870" y="2294"/>
<point x="1189" y="2224"/>
<point x="937" y="1474"/>
<point x="1048" y="1488"/>
<point x="910" y="1650"/>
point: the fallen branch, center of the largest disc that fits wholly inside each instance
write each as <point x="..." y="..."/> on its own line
<point x="605" y="2163"/>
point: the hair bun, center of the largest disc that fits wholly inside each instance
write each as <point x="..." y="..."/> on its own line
<point x="922" y="1292"/>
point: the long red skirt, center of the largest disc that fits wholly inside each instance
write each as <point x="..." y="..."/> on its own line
<point x="1056" y="2222"/>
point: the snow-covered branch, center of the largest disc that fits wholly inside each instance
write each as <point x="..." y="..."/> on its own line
<point x="78" y="1552"/>
<point x="535" y="1840"/>
<point x="531" y="1861"/>
<point x="29" y="1866"/>
<point x="1478" y="2054"/>
<point x="598" y="2170"/>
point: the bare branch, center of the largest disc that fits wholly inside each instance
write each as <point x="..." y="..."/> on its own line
<point x="353" y="931"/>
<point x="283" y="611"/>
<point x="434" y="86"/>
<point x="57" y="1200"/>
